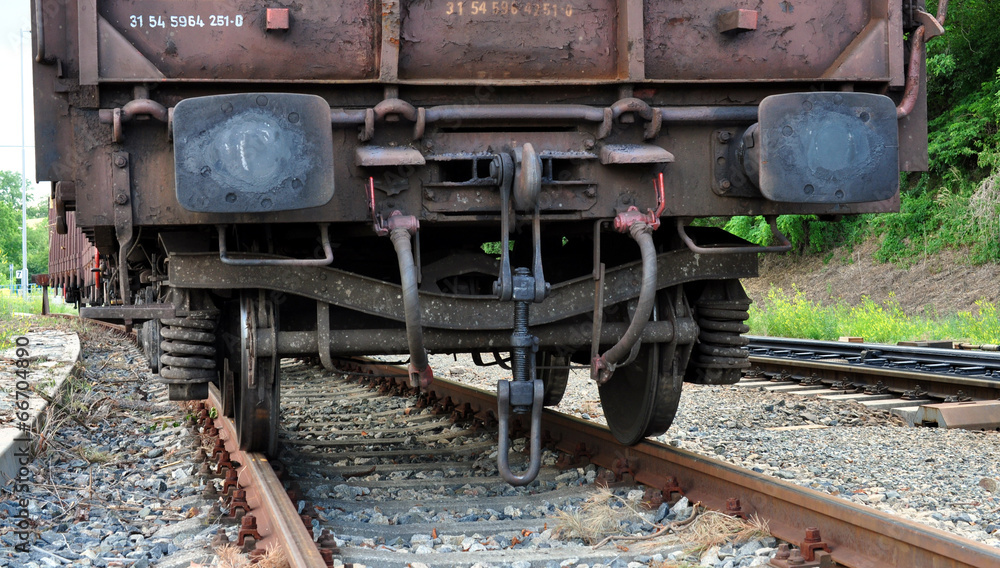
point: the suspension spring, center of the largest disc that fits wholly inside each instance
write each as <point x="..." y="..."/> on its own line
<point x="188" y="350"/>
<point x="719" y="356"/>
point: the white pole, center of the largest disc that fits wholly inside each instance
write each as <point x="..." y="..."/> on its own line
<point x="24" y="186"/>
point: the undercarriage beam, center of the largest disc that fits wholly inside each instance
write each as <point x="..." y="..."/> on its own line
<point x="453" y="312"/>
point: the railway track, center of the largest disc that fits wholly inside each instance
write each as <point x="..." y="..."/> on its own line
<point x="354" y="461"/>
<point x="359" y="470"/>
<point x="946" y="387"/>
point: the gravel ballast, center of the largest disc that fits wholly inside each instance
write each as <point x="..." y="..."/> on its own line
<point x="114" y="481"/>
<point x="943" y="478"/>
<point x="123" y="489"/>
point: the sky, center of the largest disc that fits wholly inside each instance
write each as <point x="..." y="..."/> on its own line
<point x="16" y="17"/>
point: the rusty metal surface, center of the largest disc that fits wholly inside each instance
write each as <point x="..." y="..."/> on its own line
<point x="572" y="39"/>
<point x="375" y="297"/>
<point x="484" y="41"/>
<point x="357" y="342"/>
<point x="228" y="40"/>
<point x="128" y="314"/>
<point x="791" y="40"/>
<point x="858" y="537"/>
<point x="278" y="521"/>
<point x="72" y="258"/>
<point x="419" y="97"/>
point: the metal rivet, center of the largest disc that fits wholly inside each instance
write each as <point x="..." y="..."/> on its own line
<point x="231" y="197"/>
<point x="839" y="194"/>
<point x="293" y="117"/>
<point x="205" y="170"/>
<point x="261" y="100"/>
<point x="265" y="203"/>
<point x="808" y="189"/>
<point x="121" y="199"/>
<point x="787" y="131"/>
<point x="227" y="108"/>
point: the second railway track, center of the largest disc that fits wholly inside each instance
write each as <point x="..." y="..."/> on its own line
<point x="912" y="381"/>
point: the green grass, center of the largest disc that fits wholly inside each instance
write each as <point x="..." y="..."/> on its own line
<point x="791" y="314"/>
<point x="11" y="326"/>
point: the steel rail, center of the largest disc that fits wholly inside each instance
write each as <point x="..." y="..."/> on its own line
<point x="903" y="368"/>
<point x="859" y="537"/>
<point x="924" y="355"/>
<point x="278" y="520"/>
<point x="896" y="380"/>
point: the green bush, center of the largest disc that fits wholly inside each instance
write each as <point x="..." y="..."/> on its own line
<point x="791" y="314"/>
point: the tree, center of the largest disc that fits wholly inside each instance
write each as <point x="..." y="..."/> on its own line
<point x="38" y="248"/>
<point x="40" y="210"/>
<point x="966" y="56"/>
<point x="11" y="187"/>
<point x="10" y="235"/>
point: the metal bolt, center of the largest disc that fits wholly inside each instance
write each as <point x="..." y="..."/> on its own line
<point x="120" y="161"/>
<point x="590" y="192"/>
<point x="588" y="144"/>
<point x="725" y="136"/>
<point x="121" y="199"/>
<point x="725" y="184"/>
<point x="783" y="552"/>
<point x="429" y="194"/>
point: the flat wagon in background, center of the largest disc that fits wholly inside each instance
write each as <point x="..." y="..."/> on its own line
<point x="265" y="179"/>
<point x="73" y="261"/>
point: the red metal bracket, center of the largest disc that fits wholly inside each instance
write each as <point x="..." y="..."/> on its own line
<point x="395" y="221"/>
<point x="631" y="216"/>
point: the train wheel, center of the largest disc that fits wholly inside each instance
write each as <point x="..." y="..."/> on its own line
<point x="641" y="398"/>
<point x="256" y="401"/>
<point x="554" y="379"/>
<point x="228" y="383"/>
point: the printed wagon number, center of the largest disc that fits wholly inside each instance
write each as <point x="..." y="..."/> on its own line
<point x="532" y="9"/>
<point x="186" y="22"/>
<point x="216" y="21"/>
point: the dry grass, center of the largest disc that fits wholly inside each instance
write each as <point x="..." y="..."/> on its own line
<point x="599" y="517"/>
<point x="984" y="205"/>
<point x="599" y="520"/>
<point x="274" y="557"/>
<point x="231" y="556"/>
<point x="93" y="455"/>
<point x="716" y="529"/>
